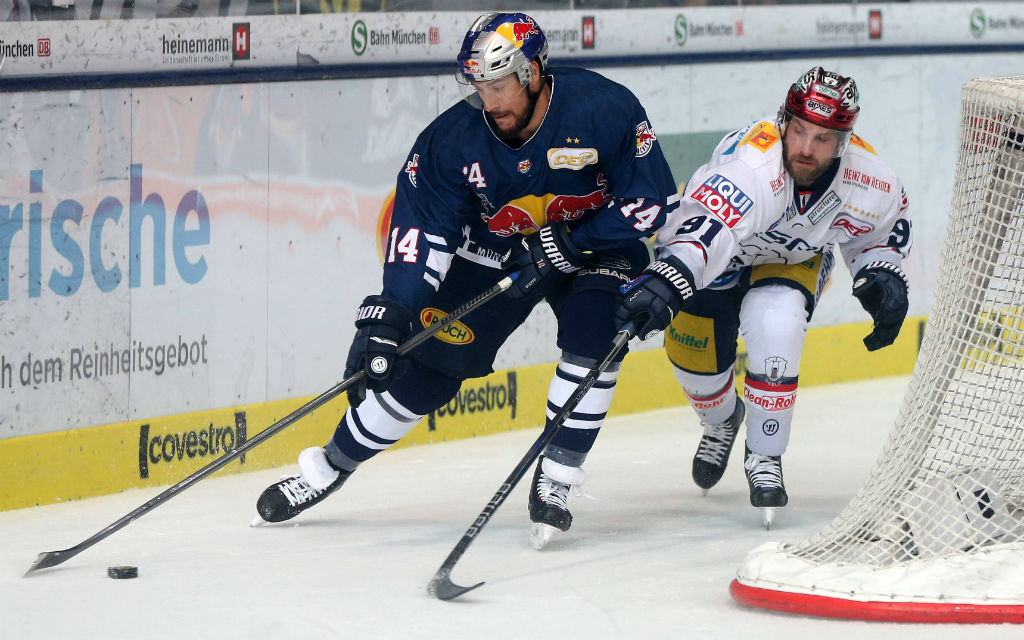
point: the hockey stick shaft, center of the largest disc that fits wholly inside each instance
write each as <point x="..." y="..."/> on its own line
<point x="52" y="558"/>
<point x="441" y="585"/>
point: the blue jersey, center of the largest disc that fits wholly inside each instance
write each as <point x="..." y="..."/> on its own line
<point x="594" y="163"/>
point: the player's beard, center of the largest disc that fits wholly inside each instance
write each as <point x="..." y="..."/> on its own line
<point x="803" y="174"/>
<point x="514" y="132"/>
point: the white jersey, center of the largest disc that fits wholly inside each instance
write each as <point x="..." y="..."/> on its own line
<point x="742" y="208"/>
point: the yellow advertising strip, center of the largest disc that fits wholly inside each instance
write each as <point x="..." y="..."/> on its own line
<point x="81" y="463"/>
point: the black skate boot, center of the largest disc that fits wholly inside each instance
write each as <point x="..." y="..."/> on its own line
<point x="767" y="491"/>
<point x="316" y="480"/>
<point x="715" y="447"/>
<point x="549" y="500"/>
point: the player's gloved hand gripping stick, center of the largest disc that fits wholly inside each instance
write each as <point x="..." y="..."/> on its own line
<point x="53" y="558"/>
<point x="441" y="585"/>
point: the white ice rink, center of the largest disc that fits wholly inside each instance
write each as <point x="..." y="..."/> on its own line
<point x="650" y="558"/>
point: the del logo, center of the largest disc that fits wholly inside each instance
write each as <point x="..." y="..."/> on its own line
<point x="208" y="442"/>
<point x="455" y="333"/>
<point x="571" y="158"/>
<point x="723" y="198"/>
<point x="524" y="166"/>
<point x="850" y="226"/>
<point x="644" y="139"/>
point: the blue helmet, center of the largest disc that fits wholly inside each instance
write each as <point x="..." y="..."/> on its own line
<point x="499" y="44"/>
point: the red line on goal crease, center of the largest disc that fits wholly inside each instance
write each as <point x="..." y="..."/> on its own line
<point x="824" y="606"/>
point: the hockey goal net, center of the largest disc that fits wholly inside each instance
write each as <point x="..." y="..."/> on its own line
<point x="936" y="534"/>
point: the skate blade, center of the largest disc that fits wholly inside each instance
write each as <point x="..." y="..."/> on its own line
<point x="540" y="534"/>
<point x="257" y="521"/>
<point x="704" y="492"/>
<point x="768" y="517"/>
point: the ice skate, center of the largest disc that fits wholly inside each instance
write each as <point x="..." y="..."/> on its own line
<point x="316" y="480"/>
<point x="714" y="449"/>
<point x="549" y="500"/>
<point x="767" y="491"/>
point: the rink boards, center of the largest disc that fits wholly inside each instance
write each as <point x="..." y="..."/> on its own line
<point x="80" y="463"/>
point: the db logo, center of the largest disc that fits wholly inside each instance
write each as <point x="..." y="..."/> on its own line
<point x="770" y="427"/>
<point x="43" y="47"/>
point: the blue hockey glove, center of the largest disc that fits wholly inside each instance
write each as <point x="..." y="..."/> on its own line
<point x="652" y="300"/>
<point x="381" y="325"/>
<point x="882" y="290"/>
<point x="547" y="252"/>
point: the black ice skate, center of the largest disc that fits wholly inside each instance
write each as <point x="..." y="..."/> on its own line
<point x="549" y="501"/>
<point x="316" y="480"/>
<point x="767" y="491"/>
<point x="715" y="447"/>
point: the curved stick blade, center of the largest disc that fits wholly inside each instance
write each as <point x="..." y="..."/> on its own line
<point x="442" y="587"/>
<point x="48" y="559"/>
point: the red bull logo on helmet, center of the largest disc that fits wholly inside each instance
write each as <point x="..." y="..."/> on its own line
<point x="518" y="32"/>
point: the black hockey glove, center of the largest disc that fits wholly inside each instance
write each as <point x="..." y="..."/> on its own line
<point x="549" y="251"/>
<point x="381" y="325"/>
<point x="652" y="300"/>
<point x="882" y="289"/>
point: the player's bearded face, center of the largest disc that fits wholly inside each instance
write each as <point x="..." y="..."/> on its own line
<point x="808" y="150"/>
<point x="507" y="104"/>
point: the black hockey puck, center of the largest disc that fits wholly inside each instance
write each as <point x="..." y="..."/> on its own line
<point x="122" y="572"/>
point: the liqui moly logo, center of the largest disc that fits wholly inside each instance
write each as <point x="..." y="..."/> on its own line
<point x="723" y="198"/>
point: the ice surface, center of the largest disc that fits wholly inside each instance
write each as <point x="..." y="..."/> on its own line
<point x="650" y="558"/>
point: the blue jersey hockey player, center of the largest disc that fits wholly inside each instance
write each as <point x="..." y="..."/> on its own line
<point x="556" y="173"/>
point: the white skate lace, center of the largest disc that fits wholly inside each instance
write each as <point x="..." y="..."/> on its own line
<point x="715" y="443"/>
<point x="297" y="490"/>
<point x="558" y="494"/>
<point x="764" y="471"/>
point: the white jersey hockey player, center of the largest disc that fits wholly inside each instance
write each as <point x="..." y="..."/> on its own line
<point x="749" y="251"/>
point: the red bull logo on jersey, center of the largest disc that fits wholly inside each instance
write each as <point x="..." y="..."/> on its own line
<point x="510" y="220"/>
<point x="455" y="333"/>
<point x="529" y="213"/>
<point x="723" y="198"/>
<point x="644" y="139"/>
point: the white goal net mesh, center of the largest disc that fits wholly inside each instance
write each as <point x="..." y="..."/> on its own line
<point x="949" y="485"/>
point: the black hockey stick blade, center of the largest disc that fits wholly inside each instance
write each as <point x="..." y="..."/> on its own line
<point x="48" y="559"/>
<point x="441" y="585"/>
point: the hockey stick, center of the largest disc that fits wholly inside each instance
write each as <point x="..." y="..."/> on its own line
<point x="52" y="558"/>
<point x="441" y="585"/>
